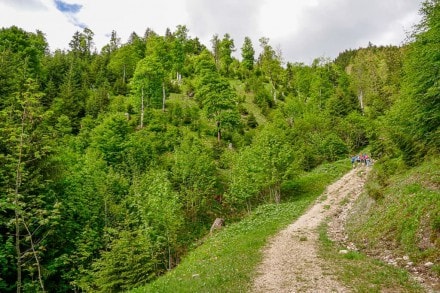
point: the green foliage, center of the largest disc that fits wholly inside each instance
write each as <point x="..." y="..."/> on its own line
<point x="193" y="175"/>
<point x="27" y="49"/>
<point x="334" y="148"/>
<point x="147" y="82"/>
<point x="259" y="169"/>
<point x="29" y="211"/>
<point x="128" y="263"/>
<point x="216" y="96"/>
<point x="416" y="117"/>
<point x="248" y="54"/>
<point x="110" y="138"/>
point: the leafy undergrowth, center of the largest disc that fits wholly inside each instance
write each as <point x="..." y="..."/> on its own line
<point x="361" y="273"/>
<point x="226" y="261"/>
<point x="404" y="216"/>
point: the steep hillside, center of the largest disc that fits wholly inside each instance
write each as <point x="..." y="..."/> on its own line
<point x="398" y="220"/>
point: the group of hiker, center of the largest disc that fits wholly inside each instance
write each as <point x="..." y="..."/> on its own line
<point x="361" y="159"/>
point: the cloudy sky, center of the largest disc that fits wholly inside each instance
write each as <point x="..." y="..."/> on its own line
<point x="301" y="29"/>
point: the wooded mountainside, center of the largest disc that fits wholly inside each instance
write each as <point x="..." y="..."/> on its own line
<point x="114" y="163"/>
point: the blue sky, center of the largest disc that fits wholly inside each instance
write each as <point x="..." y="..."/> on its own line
<point x="301" y="29"/>
<point x="66" y="7"/>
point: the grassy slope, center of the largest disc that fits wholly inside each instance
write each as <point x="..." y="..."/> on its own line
<point x="249" y="102"/>
<point x="404" y="218"/>
<point x="407" y="215"/>
<point x="361" y="273"/>
<point x="226" y="261"/>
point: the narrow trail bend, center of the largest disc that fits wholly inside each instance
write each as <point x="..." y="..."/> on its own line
<point x="290" y="261"/>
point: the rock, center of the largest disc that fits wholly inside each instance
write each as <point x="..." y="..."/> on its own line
<point x="218" y="224"/>
<point x="428" y="264"/>
<point x="343" y="251"/>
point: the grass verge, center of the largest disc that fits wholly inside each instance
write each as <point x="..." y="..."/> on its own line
<point x="226" y="261"/>
<point x="405" y="217"/>
<point x="361" y="273"/>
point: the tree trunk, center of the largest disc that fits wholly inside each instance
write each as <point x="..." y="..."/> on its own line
<point x="16" y="204"/>
<point x="34" y="252"/>
<point x="17" y="249"/>
<point x="361" y="101"/>
<point x="219" y="132"/>
<point x="163" y="97"/>
<point x="142" y="109"/>
<point x="123" y="75"/>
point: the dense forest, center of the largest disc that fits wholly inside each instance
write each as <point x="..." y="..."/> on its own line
<point x="114" y="163"/>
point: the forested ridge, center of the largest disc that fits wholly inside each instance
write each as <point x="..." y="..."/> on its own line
<point x="114" y="163"/>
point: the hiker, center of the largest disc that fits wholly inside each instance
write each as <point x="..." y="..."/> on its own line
<point x="367" y="161"/>
<point x="353" y="161"/>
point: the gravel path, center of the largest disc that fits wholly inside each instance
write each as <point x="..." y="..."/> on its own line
<point x="291" y="262"/>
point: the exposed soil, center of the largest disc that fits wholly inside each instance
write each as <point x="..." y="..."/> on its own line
<point x="291" y="262"/>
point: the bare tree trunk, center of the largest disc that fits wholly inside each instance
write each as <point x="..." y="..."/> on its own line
<point x="219" y="132"/>
<point x="123" y="76"/>
<point x="361" y="101"/>
<point x="16" y="205"/>
<point x="34" y="252"/>
<point x="169" y="253"/>
<point x="163" y="97"/>
<point x="142" y="109"/>
<point x="17" y="248"/>
<point x="274" y="90"/>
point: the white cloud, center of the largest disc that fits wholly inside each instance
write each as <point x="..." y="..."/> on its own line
<point x="303" y="29"/>
<point x="38" y="15"/>
<point x="125" y="17"/>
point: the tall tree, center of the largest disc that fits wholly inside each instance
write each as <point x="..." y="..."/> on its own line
<point x="21" y="55"/>
<point x="26" y="148"/>
<point x="216" y="95"/>
<point x="179" y="50"/>
<point x="269" y="62"/>
<point x="193" y="175"/>
<point x="82" y="43"/>
<point x="148" y="83"/>
<point x="226" y="48"/>
<point x="415" y="118"/>
<point x="248" y="54"/>
<point x="215" y="43"/>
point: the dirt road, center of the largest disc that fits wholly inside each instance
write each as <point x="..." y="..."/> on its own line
<point x="291" y="262"/>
